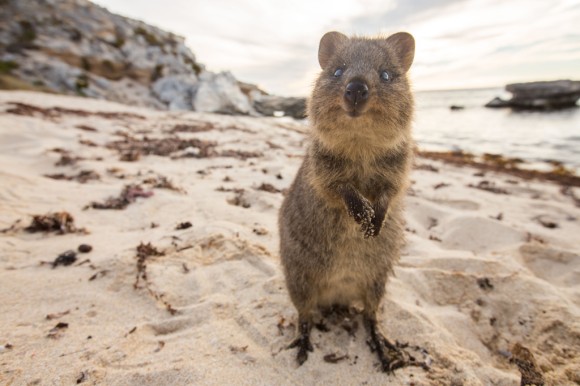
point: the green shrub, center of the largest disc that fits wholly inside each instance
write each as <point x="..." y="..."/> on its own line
<point x="27" y="33"/>
<point x="149" y="37"/>
<point x="157" y="72"/>
<point x="6" y="67"/>
<point x="81" y="83"/>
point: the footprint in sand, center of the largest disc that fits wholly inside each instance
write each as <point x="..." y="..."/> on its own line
<point x="458" y="204"/>
<point x="479" y="234"/>
<point x="557" y="266"/>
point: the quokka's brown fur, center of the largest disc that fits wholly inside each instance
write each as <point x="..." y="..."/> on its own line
<point x="341" y="224"/>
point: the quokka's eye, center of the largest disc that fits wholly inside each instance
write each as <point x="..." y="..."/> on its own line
<point x="385" y="76"/>
<point x="338" y="72"/>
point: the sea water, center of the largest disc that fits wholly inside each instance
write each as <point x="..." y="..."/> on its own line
<point x="533" y="136"/>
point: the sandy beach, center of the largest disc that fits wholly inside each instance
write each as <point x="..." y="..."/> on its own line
<point x="183" y="283"/>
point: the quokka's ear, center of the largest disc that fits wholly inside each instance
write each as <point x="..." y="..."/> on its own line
<point x="403" y="44"/>
<point x="328" y="46"/>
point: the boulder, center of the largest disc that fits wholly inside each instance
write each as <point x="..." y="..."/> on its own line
<point x="252" y="91"/>
<point x="220" y="93"/>
<point x="540" y="95"/>
<point x="497" y="102"/>
<point x="176" y="91"/>
<point x="292" y="107"/>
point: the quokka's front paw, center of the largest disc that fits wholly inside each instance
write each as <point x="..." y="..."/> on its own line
<point x="372" y="231"/>
<point x="363" y="213"/>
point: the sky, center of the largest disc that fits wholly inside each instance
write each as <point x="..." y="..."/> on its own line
<point x="459" y="43"/>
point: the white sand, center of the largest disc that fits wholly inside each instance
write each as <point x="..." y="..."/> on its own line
<point x="466" y="299"/>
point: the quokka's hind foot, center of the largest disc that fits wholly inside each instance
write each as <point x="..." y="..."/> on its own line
<point x="390" y="356"/>
<point x="302" y="342"/>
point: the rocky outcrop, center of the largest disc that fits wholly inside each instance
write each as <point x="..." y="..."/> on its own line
<point x="288" y="106"/>
<point x="220" y="93"/>
<point x="77" y="47"/>
<point x="540" y="95"/>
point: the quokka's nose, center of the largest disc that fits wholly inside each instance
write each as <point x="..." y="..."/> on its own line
<point x="356" y="92"/>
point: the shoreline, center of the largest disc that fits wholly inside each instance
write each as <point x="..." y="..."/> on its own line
<point x="559" y="174"/>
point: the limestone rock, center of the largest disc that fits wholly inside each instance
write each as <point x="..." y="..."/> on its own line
<point x="497" y="102"/>
<point x="220" y="93"/>
<point x="77" y="47"/>
<point x="292" y="107"/>
<point x="540" y="95"/>
<point x="176" y="91"/>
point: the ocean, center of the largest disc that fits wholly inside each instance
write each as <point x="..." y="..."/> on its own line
<point x="535" y="137"/>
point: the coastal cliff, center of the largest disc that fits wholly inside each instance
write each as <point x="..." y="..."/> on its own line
<point x="78" y="48"/>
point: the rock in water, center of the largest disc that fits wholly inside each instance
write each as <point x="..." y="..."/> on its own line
<point x="498" y="102"/>
<point x="540" y="95"/>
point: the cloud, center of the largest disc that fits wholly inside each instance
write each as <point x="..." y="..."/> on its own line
<point x="398" y="16"/>
<point x="460" y="43"/>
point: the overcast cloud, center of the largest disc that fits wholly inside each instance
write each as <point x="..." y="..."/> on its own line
<point x="460" y="43"/>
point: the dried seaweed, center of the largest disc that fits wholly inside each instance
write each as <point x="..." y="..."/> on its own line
<point x="239" y="199"/>
<point x="506" y="165"/>
<point x="161" y="146"/>
<point x="57" y="315"/>
<point x="56" y="112"/>
<point x="240" y="154"/>
<point x="238" y="349"/>
<point x="144" y="251"/>
<point x="268" y="188"/>
<point x="236" y="190"/>
<point x="192" y="128"/>
<point x="67" y="159"/>
<point x="87" y="142"/>
<point x="183" y="225"/>
<point x="58" y="222"/>
<point x="160" y="345"/>
<point x="546" y="223"/>
<point x="260" y="231"/>
<point x="499" y="216"/>
<point x="526" y="363"/>
<point x="86" y="128"/>
<point x="488" y="186"/>
<point x="484" y="283"/>
<point x="569" y="192"/>
<point x="334" y="358"/>
<point x="273" y="145"/>
<point x="427" y="167"/>
<point x="83" y="176"/>
<point x="57" y="331"/>
<point x="82" y="377"/>
<point x="116" y="172"/>
<point x="12" y="227"/>
<point x="129" y="195"/>
<point x="130" y="156"/>
<point x="433" y="222"/>
<point x="131" y="148"/>
<point x="162" y="182"/>
<point x="101" y="273"/>
<point x="66" y="258"/>
<point x="441" y="185"/>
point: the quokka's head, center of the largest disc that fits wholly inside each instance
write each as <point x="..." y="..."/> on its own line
<point x="363" y="79"/>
